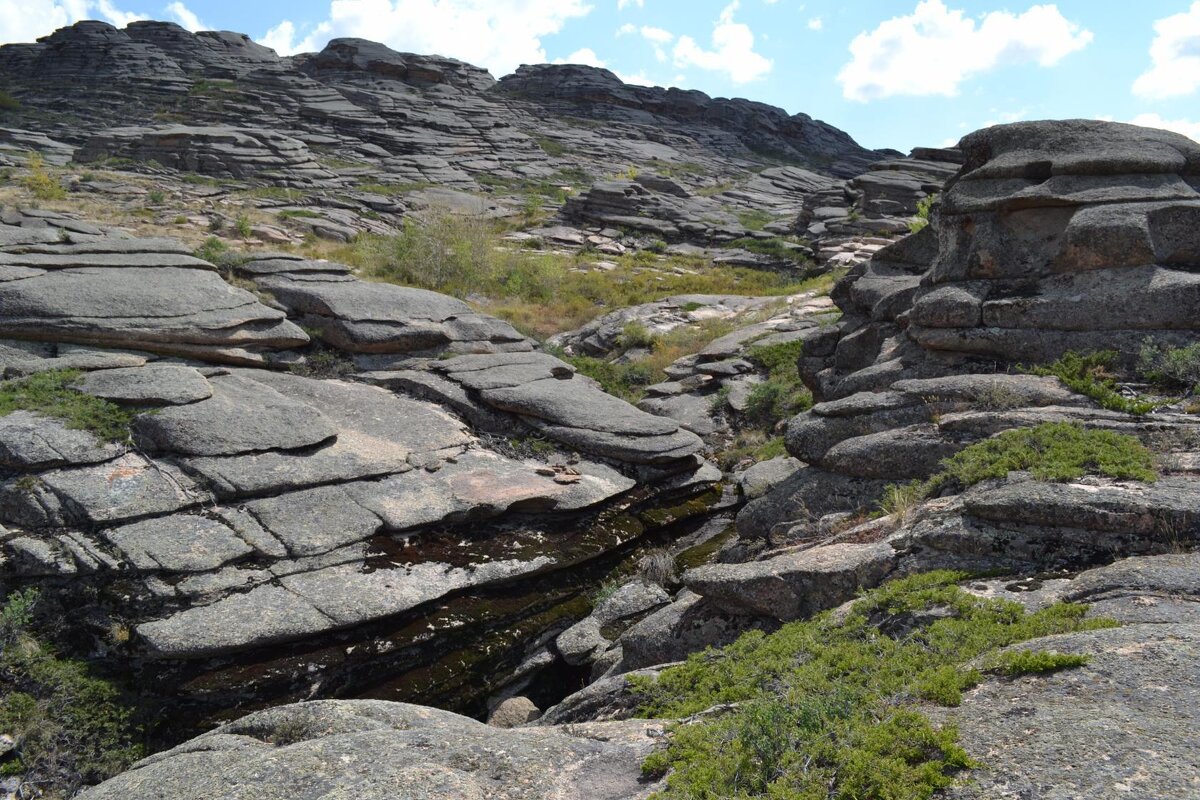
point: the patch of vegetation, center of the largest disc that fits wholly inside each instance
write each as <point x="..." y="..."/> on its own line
<point x="213" y="86"/>
<point x="51" y="394"/>
<point x="216" y="252"/>
<point x="775" y="247"/>
<point x="782" y="394"/>
<point x="199" y="180"/>
<point x="826" y="708"/>
<point x="242" y="226"/>
<point x="627" y="381"/>
<point x="1034" y="662"/>
<point x="551" y="147"/>
<point x="393" y="189"/>
<point x="635" y="336"/>
<point x="924" y="208"/>
<point x="715" y="189"/>
<point x="73" y="728"/>
<point x="541" y="293"/>
<point x="8" y="102"/>
<point x="1090" y="375"/>
<point x="297" y="213"/>
<point x="750" y="446"/>
<point x="1052" y="451"/>
<point x="1171" y="367"/>
<point x="39" y="181"/>
<point x="155" y="197"/>
<point x="756" y="219"/>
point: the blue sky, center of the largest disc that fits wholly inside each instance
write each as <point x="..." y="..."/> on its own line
<point x="893" y="73"/>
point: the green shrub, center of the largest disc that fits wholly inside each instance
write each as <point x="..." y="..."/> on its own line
<point x="43" y="185"/>
<point x="242" y="226"/>
<point x="1052" y="451"/>
<point x="826" y="706"/>
<point x="72" y="727"/>
<point x="1089" y="374"/>
<point x="1172" y="367"/>
<point x="782" y="394"/>
<point x="219" y="254"/>
<point x="8" y="102"/>
<point x="924" y="207"/>
<point x="635" y="336"/>
<point x="51" y="394"/>
<point x="1034" y="662"/>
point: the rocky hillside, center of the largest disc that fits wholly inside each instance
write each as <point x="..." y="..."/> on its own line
<point x="621" y="441"/>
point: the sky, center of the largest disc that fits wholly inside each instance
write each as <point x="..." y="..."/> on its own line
<point x="892" y="73"/>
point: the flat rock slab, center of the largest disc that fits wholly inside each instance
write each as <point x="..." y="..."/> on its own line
<point x="363" y="317"/>
<point x="242" y="416"/>
<point x="1122" y="725"/>
<point x="127" y="488"/>
<point x="179" y="543"/>
<point x="794" y="585"/>
<point x="30" y="441"/>
<point x="374" y="750"/>
<point x="161" y="309"/>
<point x="153" y="384"/>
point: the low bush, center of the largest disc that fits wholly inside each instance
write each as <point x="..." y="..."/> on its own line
<point x="924" y="208"/>
<point x="39" y="181"/>
<point x="1090" y="374"/>
<point x="1171" y="367"/>
<point x="782" y="394"/>
<point x="826" y="708"/>
<point x="776" y="247"/>
<point x="8" y="102"/>
<point x="1052" y="451"/>
<point x="72" y="727"/>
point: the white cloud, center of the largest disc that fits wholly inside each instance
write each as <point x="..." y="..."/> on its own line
<point x="587" y="56"/>
<point x="1186" y="127"/>
<point x="185" y="17"/>
<point x="497" y="34"/>
<point x="1174" y="56"/>
<point x="732" y="53"/>
<point x="27" y="20"/>
<point x="815" y="24"/>
<point x="657" y="35"/>
<point x="934" y="49"/>
<point x="621" y="4"/>
<point x="626" y="29"/>
<point x="584" y="55"/>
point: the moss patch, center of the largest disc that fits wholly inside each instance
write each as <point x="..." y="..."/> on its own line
<point x="50" y="394"/>
<point x="827" y="708"/>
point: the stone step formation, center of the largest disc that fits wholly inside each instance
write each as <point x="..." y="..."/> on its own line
<point x="277" y="497"/>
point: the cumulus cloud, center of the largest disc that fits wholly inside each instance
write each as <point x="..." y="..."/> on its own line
<point x="587" y="56"/>
<point x="1186" y="127"/>
<point x="934" y="49"/>
<point x="497" y="34"/>
<point x="186" y="17"/>
<point x="732" y="50"/>
<point x="815" y="24"/>
<point x="1174" y="57"/>
<point x="621" y="4"/>
<point x="27" y="20"/>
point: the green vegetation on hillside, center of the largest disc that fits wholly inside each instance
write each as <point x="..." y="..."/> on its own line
<point x="1171" y="367"/>
<point x="924" y="208"/>
<point x="829" y="708"/>
<point x="71" y="727"/>
<point x="50" y="394"/>
<point x="8" y="102"/>
<point x="39" y="181"/>
<point x="542" y="293"/>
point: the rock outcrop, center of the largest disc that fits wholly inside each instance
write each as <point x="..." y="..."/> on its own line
<point x="247" y="508"/>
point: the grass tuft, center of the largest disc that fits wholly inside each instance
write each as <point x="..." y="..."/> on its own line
<point x="1090" y="375"/>
<point x="50" y="394"/>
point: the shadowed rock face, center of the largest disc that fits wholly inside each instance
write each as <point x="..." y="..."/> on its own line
<point x="1060" y="236"/>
